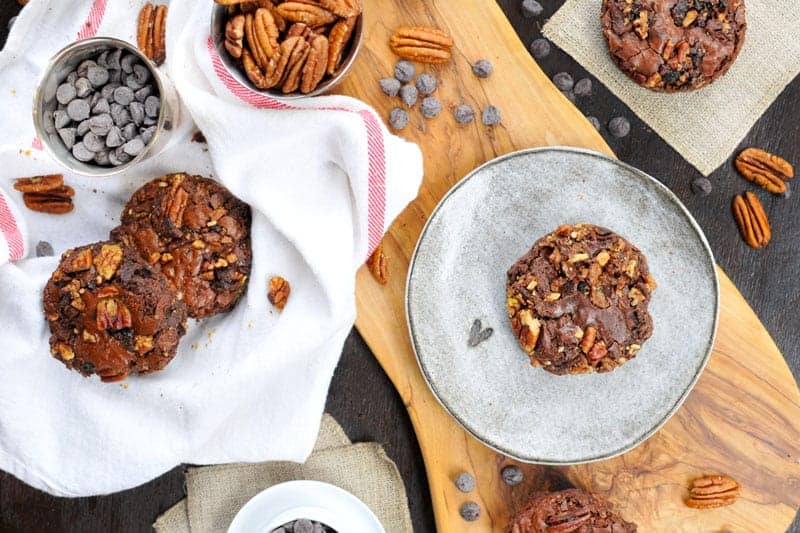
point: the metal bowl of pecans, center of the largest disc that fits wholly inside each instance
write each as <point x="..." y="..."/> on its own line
<point x="101" y="106"/>
<point x="290" y="49"/>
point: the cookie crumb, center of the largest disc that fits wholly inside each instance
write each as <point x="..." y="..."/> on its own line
<point x="619" y="127"/>
<point x="464" y="114"/>
<point x="398" y="118"/>
<point x="540" y="48"/>
<point x="390" y="86"/>
<point x="483" y="68"/>
<point x="490" y="116"/>
<point x="430" y="107"/>
<point x="404" y="71"/>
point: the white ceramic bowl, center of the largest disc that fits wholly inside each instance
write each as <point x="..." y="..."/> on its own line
<point x="317" y="501"/>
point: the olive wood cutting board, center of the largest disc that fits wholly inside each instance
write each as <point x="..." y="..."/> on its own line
<point x="743" y="417"/>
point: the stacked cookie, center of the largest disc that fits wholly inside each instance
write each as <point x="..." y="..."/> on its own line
<point x="120" y="307"/>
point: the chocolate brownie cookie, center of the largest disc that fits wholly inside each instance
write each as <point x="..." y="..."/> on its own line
<point x="674" y="45"/>
<point x="578" y="300"/>
<point x="570" y="510"/>
<point x="197" y="233"/>
<point x="111" y="314"/>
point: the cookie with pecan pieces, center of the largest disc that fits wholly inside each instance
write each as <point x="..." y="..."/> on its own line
<point x="578" y="300"/>
<point x="111" y="314"/>
<point x="197" y="233"/>
<point x="568" y="510"/>
<point x="674" y="45"/>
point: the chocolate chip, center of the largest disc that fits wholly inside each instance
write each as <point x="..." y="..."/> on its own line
<point x="619" y="127"/>
<point x="702" y="186"/>
<point x="97" y="76"/>
<point x="583" y="88"/>
<point x="67" y="137"/>
<point x="152" y="105"/>
<point x="512" y="475"/>
<point x="490" y="116"/>
<point x="112" y="158"/>
<point x="531" y="8"/>
<point x="96" y="96"/>
<point x="101" y="106"/>
<point x="83" y="127"/>
<point x="60" y="118"/>
<point x="137" y="112"/>
<point x="102" y="60"/>
<point x="465" y="482"/>
<point x="82" y="153"/>
<point x="149" y="121"/>
<point x="123" y="95"/>
<point x="390" y="86"/>
<point x="404" y="71"/>
<point x="303" y="525"/>
<point x="398" y="118"/>
<point x="426" y="84"/>
<point x="101" y="157"/>
<point x="49" y="123"/>
<point x="93" y="143"/>
<point x="83" y="87"/>
<point x="132" y="82"/>
<point x="113" y="59"/>
<point x="107" y="91"/>
<point x="482" y="68"/>
<point x="121" y="117"/>
<point x="129" y="131"/>
<point x="114" y="137"/>
<point x="115" y="76"/>
<point x="470" y="511"/>
<point x="72" y="77"/>
<point x="563" y="81"/>
<point x="121" y="155"/>
<point x="78" y="110"/>
<point x="594" y="122"/>
<point x="65" y="93"/>
<point x="133" y="147"/>
<point x="126" y="63"/>
<point x="147" y="134"/>
<point x="570" y="95"/>
<point x="141" y="73"/>
<point x="430" y="107"/>
<point x="44" y="249"/>
<point x="464" y="114"/>
<point x="83" y="67"/>
<point x="101" y="124"/>
<point x="408" y="94"/>
<point x="143" y="93"/>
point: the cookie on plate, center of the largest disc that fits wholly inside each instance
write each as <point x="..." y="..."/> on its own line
<point x="197" y="233"/>
<point x="674" y="45"/>
<point x="578" y="300"/>
<point x="568" y="510"/>
<point x="111" y="314"/>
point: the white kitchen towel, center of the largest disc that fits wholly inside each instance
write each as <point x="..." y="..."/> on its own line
<point x="324" y="179"/>
<point x="12" y="230"/>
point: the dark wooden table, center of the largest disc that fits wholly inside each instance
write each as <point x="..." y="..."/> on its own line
<point x="362" y="397"/>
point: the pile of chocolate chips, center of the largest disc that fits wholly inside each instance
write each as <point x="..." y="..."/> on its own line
<point x="105" y="111"/>
<point x="303" y="525"/>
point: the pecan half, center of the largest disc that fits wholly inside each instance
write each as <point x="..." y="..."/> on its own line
<point x="144" y="30"/>
<point x="338" y="38"/>
<point x="421" y="43"/>
<point x="764" y="169"/>
<point x="160" y="35"/>
<point x="176" y="204"/>
<point x="234" y="35"/>
<point x="712" y="491"/>
<point x="342" y="8"/>
<point x="112" y="314"/>
<point x="752" y="220"/>
<point x="294" y="67"/>
<point x="316" y="63"/>
<point x="54" y="201"/>
<point x="298" y="29"/>
<point x="252" y="71"/>
<point x="279" y="290"/>
<point x="305" y="13"/>
<point x="107" y="261"/>
<point x="378" y="265"/>
<point x="266" y="32"/>
<point x="39" y="183"/>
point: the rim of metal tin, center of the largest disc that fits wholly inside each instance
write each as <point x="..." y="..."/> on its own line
<point x="72" y="164"/>
<point x="218" y="36"/>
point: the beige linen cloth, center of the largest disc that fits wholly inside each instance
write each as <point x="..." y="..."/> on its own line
<point x="214" y="494"/>
<point x="706" y="125"/>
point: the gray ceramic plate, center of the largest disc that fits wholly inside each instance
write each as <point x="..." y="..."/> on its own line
<point x="458" y="273"/>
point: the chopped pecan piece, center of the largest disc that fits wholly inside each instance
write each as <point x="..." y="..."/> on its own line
<point x="80" y="261"/>
<point x="712" y="491"/>
<point x="107" y="261"/>
<point x="279" y="290"/>
<point x="752" y="220"/>
<point x="378" y="265"/>
<point x="113" y="314"/>
<point x="421" y="43"/>
<point x="764" y="169"/>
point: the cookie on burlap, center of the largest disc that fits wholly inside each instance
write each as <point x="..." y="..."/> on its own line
<point x="111" y="314"/>
<point x="197" y="233"/>
<point x="578" y="300"/>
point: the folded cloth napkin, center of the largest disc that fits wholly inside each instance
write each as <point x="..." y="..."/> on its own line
<point x="215" y="494"/>
<point x="12" y="230"/>
<point x="705" y="125"/>
<point x="324" y="179"/>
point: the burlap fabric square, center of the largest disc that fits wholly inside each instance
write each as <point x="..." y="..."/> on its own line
<point x="706" y="125"/>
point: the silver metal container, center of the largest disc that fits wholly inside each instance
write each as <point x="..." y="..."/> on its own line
<point x="44" y="103"/>
<point x="218" y="19"/>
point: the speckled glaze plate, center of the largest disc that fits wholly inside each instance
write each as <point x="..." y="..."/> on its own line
<point x="458" y="273"/>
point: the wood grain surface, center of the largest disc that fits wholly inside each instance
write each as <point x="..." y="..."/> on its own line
<point x="363" y="399"/>
<point x="742" y="419"/>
